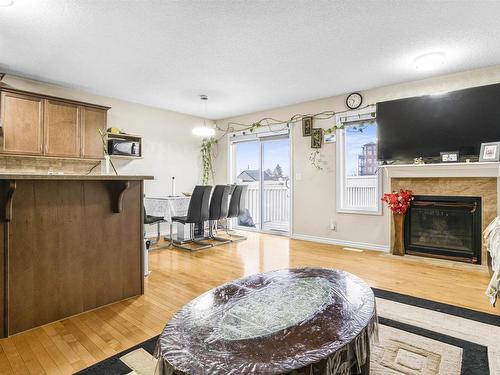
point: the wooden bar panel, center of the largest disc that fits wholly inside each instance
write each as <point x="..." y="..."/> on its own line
<point x="69" y="252"/>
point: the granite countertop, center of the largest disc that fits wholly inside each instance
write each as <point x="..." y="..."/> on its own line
<point x="91" y="177"/>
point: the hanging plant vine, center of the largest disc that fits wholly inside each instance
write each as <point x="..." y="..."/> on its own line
<point x="206" y="149"/>
<point x="207" y="172"/>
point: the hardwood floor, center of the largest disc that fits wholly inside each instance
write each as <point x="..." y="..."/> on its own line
<point x="178" y="276"/>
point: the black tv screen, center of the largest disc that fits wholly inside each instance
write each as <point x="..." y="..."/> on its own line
<point x="424" y="126"/>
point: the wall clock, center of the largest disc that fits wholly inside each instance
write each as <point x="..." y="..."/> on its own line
<point x="354" y="100"/>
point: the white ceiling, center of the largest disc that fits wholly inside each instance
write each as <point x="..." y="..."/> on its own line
<point x="246" y="55"/>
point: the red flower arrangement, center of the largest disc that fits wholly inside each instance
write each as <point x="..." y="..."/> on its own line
<point x="398" y="202"/>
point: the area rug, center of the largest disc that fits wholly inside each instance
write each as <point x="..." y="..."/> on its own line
<point x="416" y="337"/>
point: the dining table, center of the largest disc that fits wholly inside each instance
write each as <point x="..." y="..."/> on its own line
<point x="167" y="206"/>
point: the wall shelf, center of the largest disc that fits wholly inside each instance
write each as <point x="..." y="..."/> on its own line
<point x="477" y="169"/>
<point x="126" y="137"/>
<point x="123" y="136"/>
<point x="125" y="157"/>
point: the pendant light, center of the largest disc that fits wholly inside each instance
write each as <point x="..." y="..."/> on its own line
<point x="204" y="131"/>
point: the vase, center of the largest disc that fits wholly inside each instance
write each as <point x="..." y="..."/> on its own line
<point x="106" y="165"/>
<point x="398" y="247"/>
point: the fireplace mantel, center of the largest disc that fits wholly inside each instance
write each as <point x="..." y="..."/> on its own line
<point x="478" y="169"/>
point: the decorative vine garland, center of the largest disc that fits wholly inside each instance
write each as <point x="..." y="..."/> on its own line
<point x="315" y="159"/>
<point x="207" y="144"/>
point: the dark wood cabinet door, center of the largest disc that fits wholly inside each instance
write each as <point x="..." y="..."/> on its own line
<point x="93" y="120"/>
<point x="21" y="117"/>
<point x="62" y="129"/>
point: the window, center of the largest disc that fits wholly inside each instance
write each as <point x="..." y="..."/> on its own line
<point x="358" y="180"/>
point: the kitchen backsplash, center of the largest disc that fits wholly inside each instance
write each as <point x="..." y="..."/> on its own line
<point x="19" y="164"/>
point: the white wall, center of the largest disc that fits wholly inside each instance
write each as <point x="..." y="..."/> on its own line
<point x="169" y="147"/>
<point x="314" y="195"/>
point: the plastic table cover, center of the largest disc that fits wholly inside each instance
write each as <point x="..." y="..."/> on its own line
<point x="166" y="206"/>
<point x="298" y="321"/>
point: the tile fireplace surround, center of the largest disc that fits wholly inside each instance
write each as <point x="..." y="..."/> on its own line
<point x="457" y="179"/>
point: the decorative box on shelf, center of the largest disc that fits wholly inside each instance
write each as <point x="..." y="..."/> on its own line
<point x="124" y="146"/>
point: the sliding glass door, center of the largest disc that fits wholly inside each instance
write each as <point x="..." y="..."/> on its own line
<point x="275" y="184"/>
<point x="246" y="171"/>
<point x="263" y="164"/>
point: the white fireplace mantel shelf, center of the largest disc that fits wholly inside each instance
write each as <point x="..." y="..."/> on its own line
<point x="478" y="169"/>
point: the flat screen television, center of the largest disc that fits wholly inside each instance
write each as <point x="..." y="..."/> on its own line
<point x="424" y="126"/>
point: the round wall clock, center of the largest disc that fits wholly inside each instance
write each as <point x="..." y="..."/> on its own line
<point x="354" y="100"/>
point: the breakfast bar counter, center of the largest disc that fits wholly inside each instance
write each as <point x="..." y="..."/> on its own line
<point x="70" y="243"/>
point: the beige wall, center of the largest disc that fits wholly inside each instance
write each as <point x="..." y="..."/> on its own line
<point x="169" y="147"/>
<point x="314" y="195"/>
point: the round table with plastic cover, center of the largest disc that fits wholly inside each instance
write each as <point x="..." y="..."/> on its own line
<point x="297" y="321"/>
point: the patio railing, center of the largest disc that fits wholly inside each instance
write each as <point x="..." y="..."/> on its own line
<point x="276" y="204"/>
<point x="361" y="191"/>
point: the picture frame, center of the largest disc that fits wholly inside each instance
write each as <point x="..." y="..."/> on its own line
<point x="307" y="126"/>
<point x="317" y="138"/>
<point x="490" y="152"/>
<point x="449" y="156"/>
<point x="330" y="138"/>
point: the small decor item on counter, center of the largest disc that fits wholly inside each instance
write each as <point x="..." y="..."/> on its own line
<point x="106" y="166"/>
<point x="449" y="157"/>
<point x="307" y="125"/>
<point x="172" y="194"/>
<point x="418" y="161"/>
<point x="398" y="203"/>
<point x="490" y="151"/>
<point x="107" y="160"/>
<point x="317" y="138"/>
<point x="187" y="193"/>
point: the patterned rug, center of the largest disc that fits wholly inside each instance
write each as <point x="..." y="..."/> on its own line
<point x="416" y="337"/>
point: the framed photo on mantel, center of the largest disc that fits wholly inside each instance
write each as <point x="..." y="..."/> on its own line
<point x="490" y="151"/>
<point x="449" y="157"/>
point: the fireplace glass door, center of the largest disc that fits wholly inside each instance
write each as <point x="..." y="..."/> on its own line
<point x="444" y="226"/>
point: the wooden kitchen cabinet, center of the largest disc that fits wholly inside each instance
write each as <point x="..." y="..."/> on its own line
<point x="21" y="117"/>
<point x="41" y="125"/>
<point x="62" y="129"/>
<point x="93" y="120"/>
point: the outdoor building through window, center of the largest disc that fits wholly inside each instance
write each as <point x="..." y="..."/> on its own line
<point x="358" y="182"/>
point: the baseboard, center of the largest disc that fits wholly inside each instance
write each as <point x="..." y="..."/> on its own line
<point x="332" y="241"/>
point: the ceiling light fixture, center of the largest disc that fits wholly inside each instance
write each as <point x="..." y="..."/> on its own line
<point x="204" y="131"/>
<point x="6" y="3"/>
<point x="430" y="61"/>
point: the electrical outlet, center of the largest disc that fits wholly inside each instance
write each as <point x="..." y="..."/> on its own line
<point x="333" y="226"/>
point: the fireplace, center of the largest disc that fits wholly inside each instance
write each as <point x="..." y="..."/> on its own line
<point x="444" y="227"/>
